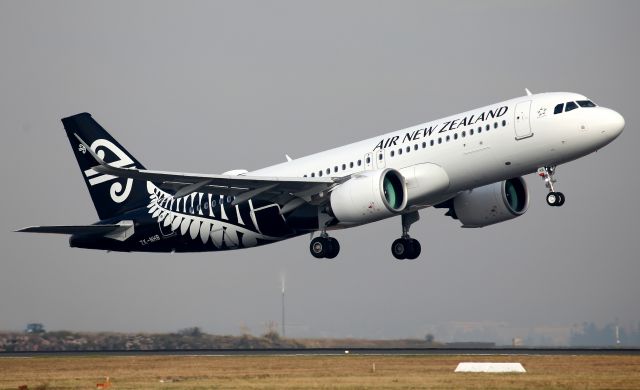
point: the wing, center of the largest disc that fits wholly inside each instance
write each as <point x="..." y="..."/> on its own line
<point x="288" y="191"/>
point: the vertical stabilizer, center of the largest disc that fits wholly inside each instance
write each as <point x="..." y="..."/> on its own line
<point x="111" y="195"/>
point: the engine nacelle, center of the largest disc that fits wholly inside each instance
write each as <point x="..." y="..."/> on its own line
<point x="492" y="203"/>
<point x="369" y="196"/>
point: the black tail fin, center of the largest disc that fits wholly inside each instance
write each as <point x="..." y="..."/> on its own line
<point x="111" y="195"/>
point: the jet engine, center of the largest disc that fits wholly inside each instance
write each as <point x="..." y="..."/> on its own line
<point x="490" y="204"/>
<point x="369" y="196"/>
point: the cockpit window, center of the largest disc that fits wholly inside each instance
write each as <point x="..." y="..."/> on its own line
<point x="570" y="106"/>
<point x="586" y="103"/>
<point x="558" y="109"/>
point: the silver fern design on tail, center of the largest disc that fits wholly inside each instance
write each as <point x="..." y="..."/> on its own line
<point x="186" y="217"/>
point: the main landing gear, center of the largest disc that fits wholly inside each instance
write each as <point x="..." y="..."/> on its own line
<point x="547" y="174"/>
<point x="324" y="247"/>
<point x="406" y="247"/>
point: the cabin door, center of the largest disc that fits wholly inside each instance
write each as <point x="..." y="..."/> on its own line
<point x="521" y="116"/>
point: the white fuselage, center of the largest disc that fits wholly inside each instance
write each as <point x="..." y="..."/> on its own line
<point x="474" y="148"/>
<point x="470" y="163"/>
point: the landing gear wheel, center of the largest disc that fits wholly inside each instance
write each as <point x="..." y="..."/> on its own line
<point x="399" y="249"/>
<point x="555" y="198"/>
<point x="406" y="248"/>
<point x="324" y="247"/>
<point x="334" y="248"/>
<point x="319" y="247"/>
<point x="416" y="248"/>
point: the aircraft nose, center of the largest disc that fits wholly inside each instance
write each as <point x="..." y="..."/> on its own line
<point x="615" y="123"/>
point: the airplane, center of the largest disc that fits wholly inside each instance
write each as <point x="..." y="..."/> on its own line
<point x="470" y="164"/>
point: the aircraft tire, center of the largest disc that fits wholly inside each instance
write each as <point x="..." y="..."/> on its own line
<point x="319" y="247"/>
<point x="334" y="248"/>
<point x="415" y="249"/>
<point x="399" y="249"/>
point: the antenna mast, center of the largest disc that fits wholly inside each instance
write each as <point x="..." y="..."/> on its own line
<point x="283" y="332"/>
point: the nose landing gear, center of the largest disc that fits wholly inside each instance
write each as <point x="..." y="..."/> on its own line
<point x="553" y="198"/>
<point x="406" y="247"/>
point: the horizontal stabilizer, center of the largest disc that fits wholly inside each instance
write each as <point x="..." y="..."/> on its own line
<point x="77" y="229"/>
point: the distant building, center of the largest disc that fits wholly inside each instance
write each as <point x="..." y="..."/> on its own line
<point x="517" y="342"/>
<point x="34" y="328"/>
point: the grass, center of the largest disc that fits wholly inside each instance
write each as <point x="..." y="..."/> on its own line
<point x="348" y="372"/>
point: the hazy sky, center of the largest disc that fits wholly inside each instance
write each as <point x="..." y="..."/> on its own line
<point x="211" y="86"/>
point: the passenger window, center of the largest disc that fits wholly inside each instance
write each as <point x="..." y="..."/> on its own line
<point x="351" y="164"/>
<point x="328" y="171"/>
<point x="424" y="145"/>
<point x="471" y="131"/>
<point x="415" y="147"/>
<point x="570" y="106"/>
<point x="313" y="174"/>
<point x="393" y="153"/>
<point x="380" y="156"/>
<point x="368" y="160"/>
<point x="439" y="140"/>
<point x="335" y="169"/>
<point x="487" y="127"/>
<point x="305" y="176"/>
<point x="344" y="166"/>
<point x="432" y="142"/>
<point x="586" y="103"/>
<point x="504" y="123"/>
<point x="464" y="133"/>
<point x="448" y="138"/>
<point x="359" y="162"/>
<point x="455" y="136"/>
<point x="495" y="125"/>
<point x="408" y="149"/>
<point x="319" y="173"/>
<point x="399" y="151"/>
<point x="558" y="109"/>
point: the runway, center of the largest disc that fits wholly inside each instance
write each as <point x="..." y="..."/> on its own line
<point x="336" y="352"/>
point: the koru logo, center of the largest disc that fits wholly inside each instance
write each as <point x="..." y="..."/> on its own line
<point x="118" y="192"/>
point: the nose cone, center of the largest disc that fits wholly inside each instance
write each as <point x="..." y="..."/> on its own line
<point x="607" y="123"/>
<point x="615" y="123"/>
